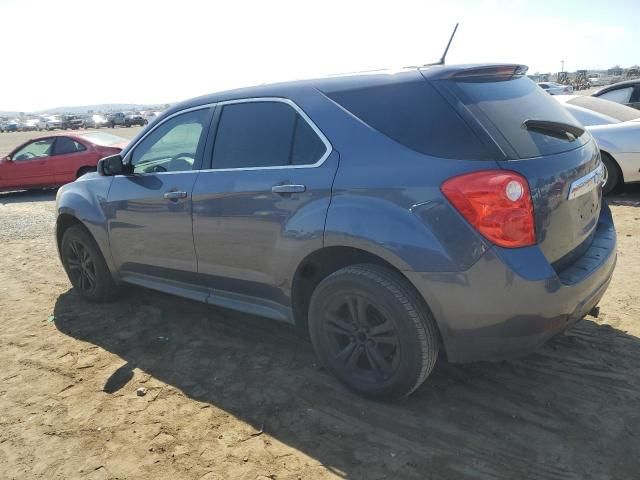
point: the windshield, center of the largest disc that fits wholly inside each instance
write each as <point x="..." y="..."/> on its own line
<point x="606" y="107"/>
<point x="102" y="138"/>
<point x="502" y="105"/>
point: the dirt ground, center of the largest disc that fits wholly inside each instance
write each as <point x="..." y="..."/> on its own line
<point x="236" y="397"/>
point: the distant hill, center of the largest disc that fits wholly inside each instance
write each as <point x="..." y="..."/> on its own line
<point x="104" y="107"/>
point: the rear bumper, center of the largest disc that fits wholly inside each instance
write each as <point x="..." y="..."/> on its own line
<point x="512" y="301"/>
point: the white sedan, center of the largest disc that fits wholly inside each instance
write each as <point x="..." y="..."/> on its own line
<point x="616" y="129"/>
<point x="553" y="88"/>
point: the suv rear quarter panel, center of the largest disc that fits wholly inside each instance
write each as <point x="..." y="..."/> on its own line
<point x="387" y="201"/>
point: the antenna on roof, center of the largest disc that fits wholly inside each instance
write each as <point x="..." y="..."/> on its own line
<point x="444" y="55"/>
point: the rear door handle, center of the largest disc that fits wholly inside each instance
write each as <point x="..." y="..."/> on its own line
<point x="175" y="194"/>
<point x="289" y="188"/>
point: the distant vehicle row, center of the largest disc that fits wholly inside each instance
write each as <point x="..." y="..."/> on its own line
<point x="75" y="122"/>
<point x="553" y="88"/>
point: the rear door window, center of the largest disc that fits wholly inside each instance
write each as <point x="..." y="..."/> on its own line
<point x="503" y="105"/>
<point x="66" y="145"/>
<point x="415" y="115"/>
<point x="264" y="134"/>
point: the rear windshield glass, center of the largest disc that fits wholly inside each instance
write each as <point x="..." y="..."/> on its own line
<point x="606" y="107"/>
<point x="103" y="138"/>
<point x="504" y="105"/>
<point x="415" y="115"/>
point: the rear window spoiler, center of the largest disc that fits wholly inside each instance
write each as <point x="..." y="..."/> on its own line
<point x="443" y="72"/>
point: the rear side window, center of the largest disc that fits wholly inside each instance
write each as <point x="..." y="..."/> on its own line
<point x="415" y="115"/>
<point x="504" y="105"/>
<point x="65" y="145"/>
<point x="620" y="95"/>
<point x="264" y="134"/>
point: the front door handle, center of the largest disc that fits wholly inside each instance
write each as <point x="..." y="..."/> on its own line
<point x="175" y="194"/>
<point x="289" y="188"/>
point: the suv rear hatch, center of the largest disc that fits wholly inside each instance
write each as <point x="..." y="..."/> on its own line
<point x="540" y="140"/>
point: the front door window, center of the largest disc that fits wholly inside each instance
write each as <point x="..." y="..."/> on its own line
<point x="173" y="146"/>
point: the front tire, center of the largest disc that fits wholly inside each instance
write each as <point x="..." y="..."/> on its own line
<point x="369" y="328"/>
<point x="85" y="266"/>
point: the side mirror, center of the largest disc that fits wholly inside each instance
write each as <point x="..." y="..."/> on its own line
<point x="112" y="165"/>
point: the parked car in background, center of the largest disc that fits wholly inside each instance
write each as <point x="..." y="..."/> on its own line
<point x="554" y="88"/>
<point x="55" y="160"/>
<point x="136" y="119"/>
<point x="11" y="126"/>
<point x="151" y="116"/>
<point x="598" y="80"/>
<point x="616" y="128"/>
<point x="118" y="119"/>
<point x="71" y="122"/>
<point x="627" y="93"/>
<point x="30" y="125"/>
<point x="51" y="122"/>
<point x="475" y="226"/>
<point x="95" y="121"/>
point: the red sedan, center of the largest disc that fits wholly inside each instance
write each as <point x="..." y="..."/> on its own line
<point x="54" y="160"/>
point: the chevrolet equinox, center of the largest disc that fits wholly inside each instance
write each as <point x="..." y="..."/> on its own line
<point x="393" y="215"/>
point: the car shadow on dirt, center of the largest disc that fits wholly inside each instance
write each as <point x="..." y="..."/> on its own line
<point x="28" y="196"/>
<point x="568" y="411"/>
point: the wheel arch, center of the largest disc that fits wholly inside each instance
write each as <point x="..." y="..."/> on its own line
<point x="88" y="168"/>
<point x="79" y="204"/>
<point x="321" y="263"/>
<point x="63" y="223"/>
<point x="603" y="152"/>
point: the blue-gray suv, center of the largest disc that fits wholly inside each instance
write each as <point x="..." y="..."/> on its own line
<point x="395" y="215"/>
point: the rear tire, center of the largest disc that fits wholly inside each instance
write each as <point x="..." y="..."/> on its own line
<point x="369" y="328"/>
<point x="614" y="176"/>
<point x="85" y="266"/>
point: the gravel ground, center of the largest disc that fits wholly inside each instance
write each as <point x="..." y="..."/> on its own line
<point x="27" y="214"/>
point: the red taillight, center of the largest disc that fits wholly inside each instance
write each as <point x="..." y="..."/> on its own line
<point x="497" y="203"/>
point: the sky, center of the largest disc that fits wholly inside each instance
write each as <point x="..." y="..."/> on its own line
<point x="81" y="52"/>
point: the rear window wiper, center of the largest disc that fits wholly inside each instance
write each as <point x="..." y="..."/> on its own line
<point x="563" y="131"/>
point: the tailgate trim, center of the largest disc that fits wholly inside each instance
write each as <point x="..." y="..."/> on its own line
<point x="587" y="183"/>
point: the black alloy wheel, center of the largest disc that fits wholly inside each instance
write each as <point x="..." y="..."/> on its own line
<point x="81" y="267"/>
<point x="85" y="265"/>
<point x="371" y="329"/>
